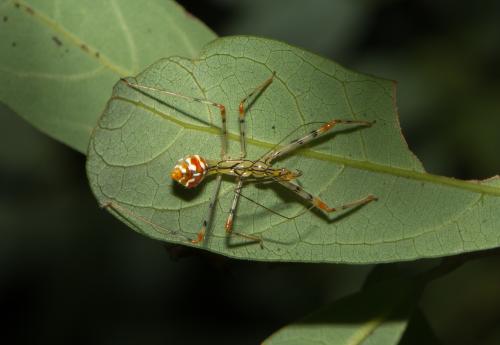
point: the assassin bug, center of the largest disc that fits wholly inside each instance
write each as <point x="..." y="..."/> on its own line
<point x="191" y="170"/>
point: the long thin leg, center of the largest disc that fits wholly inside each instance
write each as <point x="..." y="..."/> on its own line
<point x="158" y="228"/>
<point x="294" y="144"/>
<point x="207" y="221"/>
<point x="232" y="212"/>
<point x="243" y="153"/>
<point x="320" y="204"/>
<point x="242" y="111"/>
<point x="234" y="205"/>
<point x="221" y="107"/>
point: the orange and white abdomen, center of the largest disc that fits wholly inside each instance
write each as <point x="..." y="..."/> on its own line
<point x="190" y="170"/>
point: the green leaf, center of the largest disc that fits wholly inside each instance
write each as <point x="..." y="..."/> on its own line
<point x="142" y="134"/>
<point x="60" y="59"/>
<point x="376" y="315"/>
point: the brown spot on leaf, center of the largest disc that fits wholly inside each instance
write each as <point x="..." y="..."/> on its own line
<point x="5" y="18"/>
<point x="29" y="10"/>
<point x="57" y="40"/>
<point x="84" y="48"/>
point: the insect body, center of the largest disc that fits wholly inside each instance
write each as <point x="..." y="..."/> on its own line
<point x="191" y="170"/>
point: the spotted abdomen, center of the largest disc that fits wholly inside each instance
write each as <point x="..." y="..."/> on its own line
<point x="190" y="170"/>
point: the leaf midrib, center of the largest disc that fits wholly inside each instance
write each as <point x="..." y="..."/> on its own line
<point x="72" y="38"/>
<point x="362" y="165"/>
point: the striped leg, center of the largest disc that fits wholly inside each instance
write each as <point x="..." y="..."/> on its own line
<point x="293" y="145"/>
<point x="221" y="107"/>
<point x="234" y="204"/>
<point x="243" y="153"/>
<point x="242" y="111"/>
<point x="210" y="212"/>
<point x="232" y="211"/>
<point x="320" y="204"/>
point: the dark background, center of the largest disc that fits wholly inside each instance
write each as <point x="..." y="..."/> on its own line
<point x="70" y="273"/>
